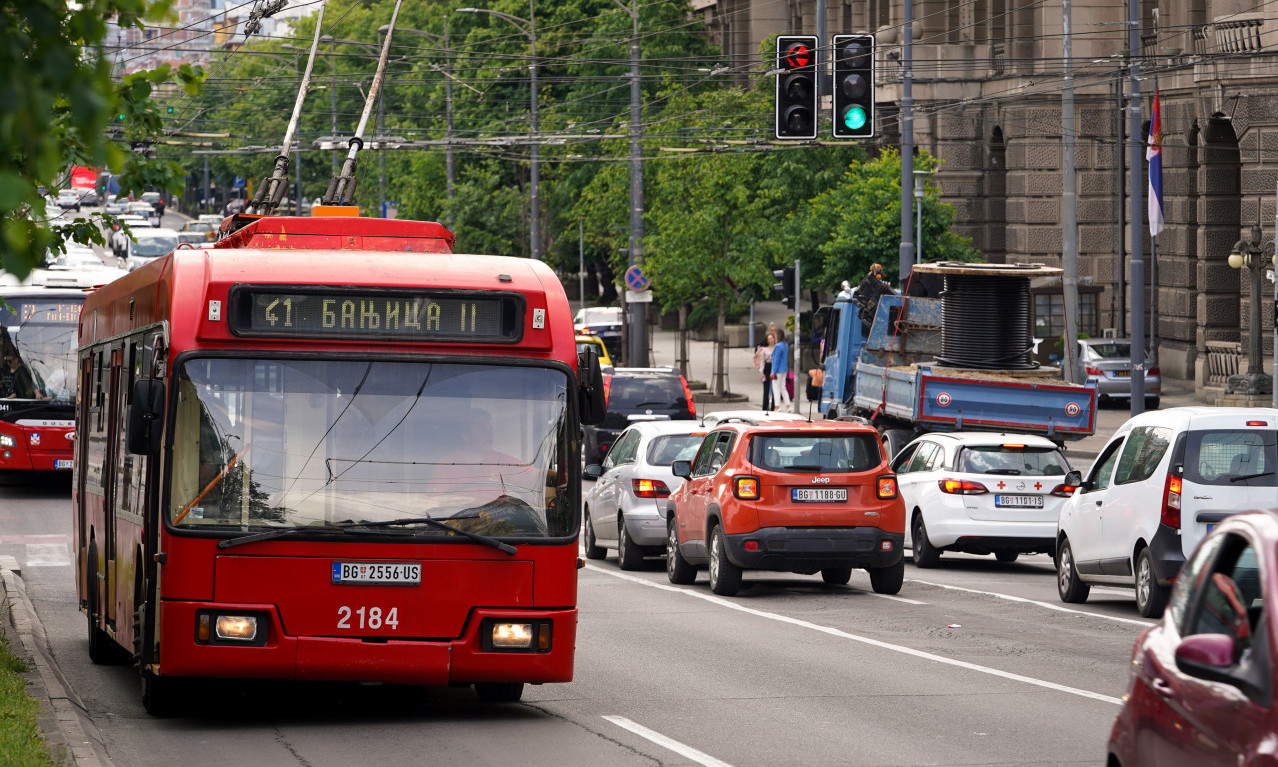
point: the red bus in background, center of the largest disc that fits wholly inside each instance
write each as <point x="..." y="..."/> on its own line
<point x="330" y="449"/>
<point x="84" y="178"/>
<point x="38" y="322"/>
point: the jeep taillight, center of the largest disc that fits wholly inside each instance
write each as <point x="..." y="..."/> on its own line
<point x="961" y="487"/>
<point x="746" y="488"/>
<point x="687" y="392"/>
<point x="1171" y="502"/>
<point x="886" y="488"/>
<point x="649" y="488"/>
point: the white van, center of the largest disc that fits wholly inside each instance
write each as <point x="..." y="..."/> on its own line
<point x="1162" y="481"/>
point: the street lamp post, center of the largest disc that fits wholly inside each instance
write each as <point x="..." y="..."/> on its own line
<point x="529" y="27"/>
<point x="1255" y="381"/>
<point x="450" y="172"/>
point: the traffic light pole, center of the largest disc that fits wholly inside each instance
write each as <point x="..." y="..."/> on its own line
<point x="906" y="263"/>
<point x="798" y="334"/>
<point x="638" y="311"/>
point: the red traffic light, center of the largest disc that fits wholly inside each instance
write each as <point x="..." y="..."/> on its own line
<point x="797" y="56"/>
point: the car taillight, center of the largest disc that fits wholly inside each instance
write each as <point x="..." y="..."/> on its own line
<point x="650" y="488"/>
<point x="886" y="487"/>
<point x="692" y="406"/>
<point x="607" y="385"/>
<point x="746" y="488"/>
<point x="1171" y="502"/>
<point x="1153" y="372"/>
<point x="1064" y="491"/>
<point x="961" y="487"/>
<point x="1093" y="371"/>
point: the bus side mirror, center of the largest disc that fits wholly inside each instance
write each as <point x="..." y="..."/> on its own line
<point x="590" y="388"/>
<point x="146" y="417"/>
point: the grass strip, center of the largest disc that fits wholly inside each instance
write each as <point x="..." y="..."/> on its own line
<point x="21" y="744"/>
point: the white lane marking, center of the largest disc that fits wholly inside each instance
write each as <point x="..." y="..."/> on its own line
<point x="688" y="752"/>
<point x="864" y="640"/>
<point x="894" y="598"/>
<point x="47" y="555"/>
<point x="1046" y="605"/>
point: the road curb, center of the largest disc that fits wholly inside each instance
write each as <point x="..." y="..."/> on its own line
<point x="62" y="720"/>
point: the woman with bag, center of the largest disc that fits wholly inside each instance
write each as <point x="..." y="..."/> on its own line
<point x="780" y="372"/>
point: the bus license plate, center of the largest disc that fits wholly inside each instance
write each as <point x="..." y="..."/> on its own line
<point x="1019" y="501"/>
<point x="64" y="463"/>
<point x="819" y="494"/>
<point x="379" y="573"/>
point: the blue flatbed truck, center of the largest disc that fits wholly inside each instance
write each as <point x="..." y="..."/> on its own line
<point x="890" y="376"/>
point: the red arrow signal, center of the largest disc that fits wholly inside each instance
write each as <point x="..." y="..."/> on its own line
<point x="798" y="56"/>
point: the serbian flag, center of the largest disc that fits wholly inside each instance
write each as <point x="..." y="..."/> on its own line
<point x="1154" y="154"/>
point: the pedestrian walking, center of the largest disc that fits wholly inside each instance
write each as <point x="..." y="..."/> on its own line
<point x="780" y="372"/>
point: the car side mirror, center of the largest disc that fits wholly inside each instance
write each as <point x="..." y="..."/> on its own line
<point x="594" y="471"/>
<point x="682" y="469"/>
<point x="145" y="426"/>
<point x="590" y="388"/>
<point x="1073" y="478"/>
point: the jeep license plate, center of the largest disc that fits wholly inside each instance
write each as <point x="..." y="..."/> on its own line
<point x="819" y="494"/>
<point x="1018" y="501"/>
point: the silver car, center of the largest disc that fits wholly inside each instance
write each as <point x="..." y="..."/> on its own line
<point x="623" y="509"/>
<point x="1107" y="362"/>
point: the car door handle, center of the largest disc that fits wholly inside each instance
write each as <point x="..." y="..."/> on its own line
<point x="1161" y="686"/>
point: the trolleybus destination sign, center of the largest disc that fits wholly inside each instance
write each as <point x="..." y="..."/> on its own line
<point x="382" y="313"/>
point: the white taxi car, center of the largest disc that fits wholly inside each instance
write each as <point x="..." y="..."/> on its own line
<point x="981" y="493"/>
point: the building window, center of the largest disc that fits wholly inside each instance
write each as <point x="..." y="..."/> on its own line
<point x="1049" y="315"/>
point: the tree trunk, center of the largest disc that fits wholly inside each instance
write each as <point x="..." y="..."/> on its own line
<point x="682" y="362"/>
<point x="720" y="343"/>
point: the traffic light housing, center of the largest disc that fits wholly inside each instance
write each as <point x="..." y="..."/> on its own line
<point x="796" y="102"/>
<point x="853" y="86"/>
<point x="784" y="287"/>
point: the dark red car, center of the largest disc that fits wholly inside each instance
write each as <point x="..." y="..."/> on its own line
<point x="1203" y="679"/>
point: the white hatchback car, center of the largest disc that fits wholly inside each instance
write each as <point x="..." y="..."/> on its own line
<point x="1159" y="485"/>
<point x="624" y="509"/>
<point x="980" y="493"/>
<point x="148" y="245"/>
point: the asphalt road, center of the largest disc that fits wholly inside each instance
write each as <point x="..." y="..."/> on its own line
<point x="973" y="663"/>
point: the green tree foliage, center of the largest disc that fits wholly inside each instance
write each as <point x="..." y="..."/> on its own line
<point x="60" y="108"/>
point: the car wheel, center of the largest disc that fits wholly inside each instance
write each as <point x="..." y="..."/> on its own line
<point x="925" y="554"/>
<point x="1068" y="585"/>
<point x="836" y="576"/>
<point x="678" y="569"/>
<point x="629" y="555"/>
<point x="499" y="692"/>
<point x="888" y="580"/>
<point x="1006" y="557"/>
<point x="593" y="549"/>
<point x="1151" y="403"/>
<point x="1151" y="596"/>
<point x="725" y="577"/>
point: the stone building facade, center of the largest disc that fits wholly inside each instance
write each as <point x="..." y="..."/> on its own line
<point x="988" y="77"/>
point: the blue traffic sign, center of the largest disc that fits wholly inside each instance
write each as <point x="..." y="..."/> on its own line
<point x="636" y="279"/>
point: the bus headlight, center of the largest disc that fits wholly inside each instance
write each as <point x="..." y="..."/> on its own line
<point x="509" y="636"/>
<point x="238" y="627"/>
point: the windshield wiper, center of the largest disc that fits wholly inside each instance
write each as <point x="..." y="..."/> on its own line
<point x="349" y="524"/>
<point x="806" y="467"/>
<point x="1244" y="477"/>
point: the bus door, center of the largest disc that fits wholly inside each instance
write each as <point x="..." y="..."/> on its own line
<point x="84" y="424"/>
<point x="115" y="403"/>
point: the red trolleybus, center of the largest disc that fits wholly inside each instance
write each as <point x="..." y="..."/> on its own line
<point x="329" y="449"/>
<point x="38" y="371"/>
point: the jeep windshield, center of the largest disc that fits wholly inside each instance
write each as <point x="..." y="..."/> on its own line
<point x="815" y="452"/>
<point x="324" y="445"/>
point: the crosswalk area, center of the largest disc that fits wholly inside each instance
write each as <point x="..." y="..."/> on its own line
<point x="37" y="550"/>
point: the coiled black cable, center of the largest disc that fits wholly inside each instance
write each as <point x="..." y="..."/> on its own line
<point x="987" y="323"/>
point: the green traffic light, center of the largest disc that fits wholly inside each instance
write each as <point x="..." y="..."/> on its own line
<point x="170" y="110"/>
<point x="854" y="117"/>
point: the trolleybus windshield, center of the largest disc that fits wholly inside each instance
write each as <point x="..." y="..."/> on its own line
<point x="38" y="346"/>
<point x="266" y="444"/>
